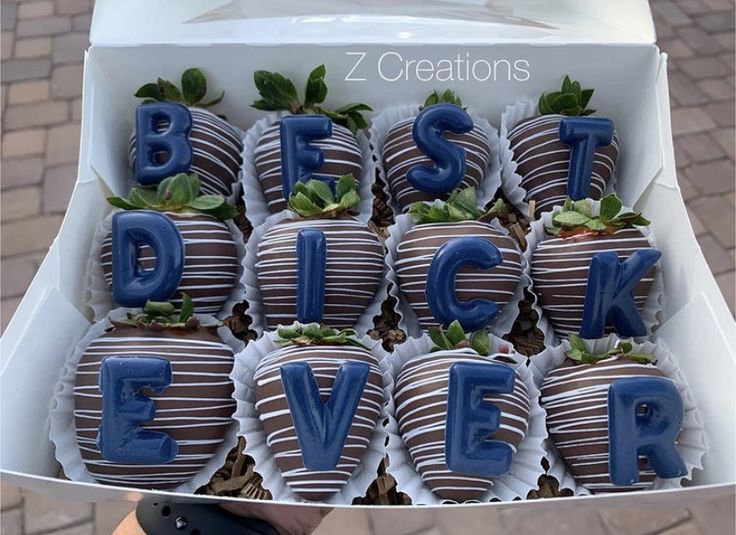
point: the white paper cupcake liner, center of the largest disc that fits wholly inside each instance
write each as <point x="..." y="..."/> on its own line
<point x="253" y="295"/>
<point x="256" y="206"/>
<point x="510" y="179"/>
<point x="382" y="123"/>
<point x="408" y="320"/>
<point x="650" y="312"/>
<point x="692" y="441"/>
<point x="99" y="293"/>
<point x="526" y="467"/>
<point x="61" y="415"/>
<point x="255" y="437"/>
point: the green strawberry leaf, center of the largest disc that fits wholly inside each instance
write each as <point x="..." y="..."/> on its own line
<point x="455" y="333"/>
<point x="121" y="202"/>
<point x="480" y="342"/>
<point x="572" y="219"/>
<point x="149" y="91"/>
<point x="316" y="90"/>
<point x="169" y="91"/>
<point x="187" y="308"/>
<point x="610" y="207"/>
<point x="194" y="86"/>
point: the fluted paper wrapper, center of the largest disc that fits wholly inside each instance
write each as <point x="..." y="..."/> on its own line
<point x="253" y="295"/>
<point x="408" y="321"/>
<point x="251" y="427"/>
<point x="526" y="467"/>
<point x="650" y="312"/>
<point x="256" y="206"/>
<point x="61" y="416"/>
<point x="99" y="293"/>
<point x="382" y="123"/>
<point x="692" y="441"/>
<point x="510" y="179"/>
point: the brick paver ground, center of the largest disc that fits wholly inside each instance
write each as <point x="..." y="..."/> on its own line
<point x="42" y="46"/>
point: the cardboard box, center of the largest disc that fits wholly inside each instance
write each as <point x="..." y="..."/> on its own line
<point x="382" y="61"/>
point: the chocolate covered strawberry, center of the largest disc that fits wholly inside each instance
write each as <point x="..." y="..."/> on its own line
<point x="324" y="350"/>
<point x="342" y="154"/>
<point x="575" y="396"/>
<point x="195" y="409"/>
<point x="354" y="259"/>
<point x="543" y="161"/>
<point x="400" y="154"/>
<point x="437" y="224"/>
<point x="211" y="262"/>
<point x="421" y="397"/>
<point x="216" y="146"/>
<point x="561" y="263"/>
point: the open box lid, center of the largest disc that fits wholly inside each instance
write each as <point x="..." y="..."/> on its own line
<point x="142" y="22"/>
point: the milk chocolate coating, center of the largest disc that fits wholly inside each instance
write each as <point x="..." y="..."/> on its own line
<point x="560" y="268"/>
<point x="400" y="154"/>
<point x="195" y="410"/>
<point x="216" y="152"/>
<point x="421" y="411"/>
<point x="354" y="270"/>
<point x="211" y="261"/>
<point x="342" y="157"/>
<point x="544" y="161"/>
<point x="414" y="256"/>
<point x="575" y="397"/>
<point x="273" y="410"/>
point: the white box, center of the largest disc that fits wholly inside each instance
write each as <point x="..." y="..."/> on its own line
<point x="608" y="46"/>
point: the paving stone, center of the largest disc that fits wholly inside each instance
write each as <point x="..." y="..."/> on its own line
<point x="690" y="120"/>
<point x="686" y="92"/>
<point x="44" y="26"/>
<point x="43" y="513"/>
<point x="727" y="284"/>
<point x="698" y="227"/>
<point x="70" y="48"/>
<point x="7" y="309"/>
<point x="72" y="7"/>
<point x="664" y="30"/>
<point x="728" y="59"/>
<point x="691" y="6"/>
<point x="675" y="47"/>
<point x="23" y="143"/>
<point x="109" y="514"/>
<point x="29" y="235"/>
<point x="81" y="23"/>
<point x="716" y="89"/>
<point x="671" y="13"/>
<point x="726" y="140"/>
<point x="713" y="177"/>
<point x="33" y="47"/>
<point x="719" y="4"/>
<point x="77" y="109"/>
<point x="6" y="45"/>
<point x="12" y="520"/>
<point x="8" y="16"/>
<point x="722" y="113"/>
<point x="21" y="172"/>
<point x="687" y="190"/>
<point x="27" y="92"/>
<point x="698" y="40"/>
<point x="87" y="528"/>
<point x="519" y="521"/>
<point x="642" y="521"/>
<point x="38" y="114"/>
<point x="18" y="272"/>
<point x="726" y="40"/>
<point x="716" y="516"/>
<point x="58" y="183"/>
<point x="699" y="147"/>
<point x="682" y="160"/>
<point x="10" y="495"/>
<point x="688" y="528"/>
<point x="66" y="81"/>
<point x="20" y="202"/>
<point x="63" y="144"/>
<point x="718" y="259"/>
<point x="29" y="10"/>
<point x="399" y="523"/>
<point x="702" y="67"/>
<point x="717" y="214"/>
<point x="716" y="21"/>
<point x="24" y="69"/>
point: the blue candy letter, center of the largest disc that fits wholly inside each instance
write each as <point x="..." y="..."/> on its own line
<point x="584" y="135"/>
<point x="120" y="438"/>
<point x="609" y="297"/>
<point x="448" y="260"/>
<point x="644" y="417"/>
<point x="132" y="286"/>
<point x="299" y="159"/>
<point x="311" y="256"/>
<point x="449" y="158"/>
<point x="470" y="419"/>
<point x="173" y="141"/>
<point x="322" y="428"/>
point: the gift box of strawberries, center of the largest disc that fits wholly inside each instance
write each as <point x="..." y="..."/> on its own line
<point x="286" y="276"/>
